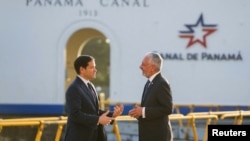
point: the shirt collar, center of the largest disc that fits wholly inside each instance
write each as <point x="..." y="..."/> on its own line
<point x="84" y="80"/>
<point x="153" y="76"/>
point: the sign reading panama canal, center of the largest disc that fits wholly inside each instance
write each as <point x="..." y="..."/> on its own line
<point x="197" y="34"/>
<point x="202" y="47"/>
<point x="88" y="12"/>
<point x="203" y="56"/>
<point x="81" y="3"/>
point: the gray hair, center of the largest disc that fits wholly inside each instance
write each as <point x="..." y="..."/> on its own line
<point x="156" y="60"/>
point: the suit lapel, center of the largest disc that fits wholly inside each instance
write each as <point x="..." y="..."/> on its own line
<point x="87" y="92"/>
<point x="96" y="96"/>
<point x="148" y="93"/>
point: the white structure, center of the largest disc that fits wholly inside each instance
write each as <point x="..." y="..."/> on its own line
<point x="205" y="45"/>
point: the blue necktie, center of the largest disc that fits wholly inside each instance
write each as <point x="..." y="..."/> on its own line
<point x="91" y="89"/>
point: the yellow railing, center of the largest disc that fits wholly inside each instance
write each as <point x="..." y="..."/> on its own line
<point x="40" y="122"/>
<point x="191" y="119"/>
<point x="239" y="115"/>
<point x="61" y="121"/>
<point x="211" y="107"/>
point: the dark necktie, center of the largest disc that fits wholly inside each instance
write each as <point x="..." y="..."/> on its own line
<point x="145" y="89"/>
<point x="92" y="91"/>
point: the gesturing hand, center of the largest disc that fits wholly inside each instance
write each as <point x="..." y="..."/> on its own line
<point x="104" y="119"/>
<point x="118" y="110"/>
<point x="136" y="112"/>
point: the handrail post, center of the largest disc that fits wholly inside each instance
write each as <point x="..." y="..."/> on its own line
<point x="1" y="127"/>
<point x="194" y="128"/>
<point x="177" y="109"/>
<point x="39" y="131"/>
<point x="59" y="131"/>
<point x="206" y="129"/>
<point x="102" y="101"/>
<point x="116" y="131"/>
<point x="240" y="119"/>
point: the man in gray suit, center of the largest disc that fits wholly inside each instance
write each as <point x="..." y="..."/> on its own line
<point x="85" y="119"/>
<point x="156" y="103"/>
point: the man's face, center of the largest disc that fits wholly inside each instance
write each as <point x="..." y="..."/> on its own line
<point x="146" y="67"/>
<point x="90" y="72"/>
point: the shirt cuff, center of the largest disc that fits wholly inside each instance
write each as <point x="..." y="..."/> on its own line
<point x="143" y="112"/>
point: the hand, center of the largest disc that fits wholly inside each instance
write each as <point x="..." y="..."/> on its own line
<point x="136" y="112"/>
<point x="118" y="110"/>
<point x="104" y="119"/>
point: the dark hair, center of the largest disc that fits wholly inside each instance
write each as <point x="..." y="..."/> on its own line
<point x="82" y="61"/>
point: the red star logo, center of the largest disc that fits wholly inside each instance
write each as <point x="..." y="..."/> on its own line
<point x="198" y="32"/>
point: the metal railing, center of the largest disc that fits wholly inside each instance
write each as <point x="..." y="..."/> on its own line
<point x="40" y="122"/>
<point x="191" y="119"/>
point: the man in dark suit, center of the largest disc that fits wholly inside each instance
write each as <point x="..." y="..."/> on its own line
<point x="85" y="119"/>
<point x="156" y="103"/>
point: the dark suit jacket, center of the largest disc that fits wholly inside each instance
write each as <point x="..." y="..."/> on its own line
<point x="83" y="114"/>
<point x="158" y="105"/>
